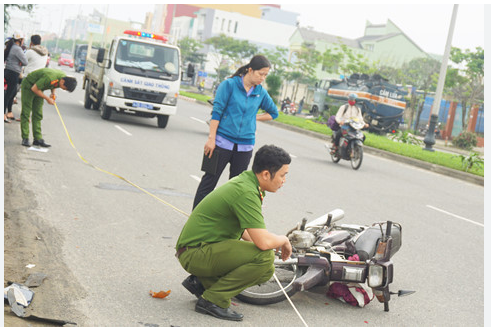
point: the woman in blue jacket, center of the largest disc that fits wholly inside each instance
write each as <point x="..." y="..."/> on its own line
<point x="233" y="121"/>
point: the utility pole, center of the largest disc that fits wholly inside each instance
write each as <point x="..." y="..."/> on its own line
<point x="430" y="134"/>
<point x="59" y="30"/>
<point x="105" y="28"/>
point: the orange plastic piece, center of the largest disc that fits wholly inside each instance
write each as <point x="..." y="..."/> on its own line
<point x="160" y="294"/>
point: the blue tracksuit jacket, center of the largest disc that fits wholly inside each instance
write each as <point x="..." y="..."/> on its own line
<point x="237" y="112"/>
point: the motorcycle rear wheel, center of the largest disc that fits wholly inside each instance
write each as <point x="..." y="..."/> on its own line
<point x="335" y="157"/>
<point x="357" y="156"/>
<point x="270" y="292"/>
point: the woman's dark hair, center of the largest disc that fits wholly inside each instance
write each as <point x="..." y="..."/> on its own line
<point x="257" y="62"/>
<point x="8" y="46"/>
<point x="70" y="83"/>
<point x="270" y="158"/>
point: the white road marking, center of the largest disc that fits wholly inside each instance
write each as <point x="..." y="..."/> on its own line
<point x="293" y="156"/>
<point x="127" y="133"/>
<point x="196" y="119"/>
<point x="196" y="178"/>
<point x="456" y="216"/>
<point x="81" y="102"/>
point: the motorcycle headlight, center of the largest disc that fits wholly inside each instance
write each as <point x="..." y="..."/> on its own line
<point x="170" y="99"/>
<point x="375" y="276"/>
<point x="115" y="89"/>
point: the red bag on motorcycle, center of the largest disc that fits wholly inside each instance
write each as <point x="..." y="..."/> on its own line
<point x="331" y="123"/>
<point x="356" y="294"/>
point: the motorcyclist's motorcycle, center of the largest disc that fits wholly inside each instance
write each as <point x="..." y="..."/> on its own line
<point x="288" y="107"/>
<point x="350" y="144"/>
<point x="320" y="255"/>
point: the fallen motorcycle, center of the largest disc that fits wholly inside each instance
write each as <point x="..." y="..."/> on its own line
<point x="350" y="144"/>
<point x="320" y="255"/>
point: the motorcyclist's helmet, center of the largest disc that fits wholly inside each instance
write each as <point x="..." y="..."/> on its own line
<point x="353" y="97"/>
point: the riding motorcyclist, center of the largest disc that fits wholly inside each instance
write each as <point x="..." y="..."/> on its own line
<point x="344" y="113"/>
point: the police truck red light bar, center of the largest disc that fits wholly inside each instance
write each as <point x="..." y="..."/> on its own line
<point x="145" y="35"/>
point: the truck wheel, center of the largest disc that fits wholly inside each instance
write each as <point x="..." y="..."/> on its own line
<point x="87" y="101"/>
<point x="162" y="120"/>
<point x="100" y="94"/>
<point x="105" y="111"/>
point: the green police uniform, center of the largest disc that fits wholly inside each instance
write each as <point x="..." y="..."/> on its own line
<point x="44" y="79"/>
<point x="223" y="263"/>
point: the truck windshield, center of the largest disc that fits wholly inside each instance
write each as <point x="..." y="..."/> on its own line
<point x="148" y="60"/>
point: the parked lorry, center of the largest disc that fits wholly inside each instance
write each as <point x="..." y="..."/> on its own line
<point x="382" y="103"/>
<point x="140" y="75"/>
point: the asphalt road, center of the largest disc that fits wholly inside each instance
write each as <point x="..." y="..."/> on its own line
<point x="118" y="243"/>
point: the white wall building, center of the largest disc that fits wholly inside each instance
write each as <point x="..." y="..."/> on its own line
<point x="266" y="34"/>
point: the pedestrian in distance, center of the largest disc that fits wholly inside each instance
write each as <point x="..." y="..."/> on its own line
<point x="300" y="105"/>
<point x="37" y="55"/>
<point x="32" y="97"/>
<point x="233" y="121"/>
<point x="15" y="59"/>
<point x="210" y="246"/>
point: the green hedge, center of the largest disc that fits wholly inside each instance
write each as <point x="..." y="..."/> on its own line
<point x="373" y="140"/>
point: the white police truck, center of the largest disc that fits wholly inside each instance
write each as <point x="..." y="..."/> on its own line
<point x="140" y="75"/>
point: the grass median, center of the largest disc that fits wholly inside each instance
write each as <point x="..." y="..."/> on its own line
<point x="373" y="140"/>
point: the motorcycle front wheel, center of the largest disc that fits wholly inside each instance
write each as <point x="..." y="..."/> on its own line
<point x="356" y="156"/>
<point x="270" y="292"/>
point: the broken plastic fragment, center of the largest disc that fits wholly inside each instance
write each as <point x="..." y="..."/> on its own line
<point x="160" y="294"/>
<point x="30" y="265"/>
<point x="22" y="294"/>
<point x="16" y="308"/>
<point x="35" y="279"/>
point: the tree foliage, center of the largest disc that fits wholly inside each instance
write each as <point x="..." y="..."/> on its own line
<point x="466" y="84"/>
<point x="274" y="83"/>
<point x="189" y="50"/>
<point x="421" y="73"/>
<point x="355" y="63"/>
<point x="6" y="11"/>
<point x="303" y="68"/>
<point x="229" y="52"/>
<point x="279" y="61"/>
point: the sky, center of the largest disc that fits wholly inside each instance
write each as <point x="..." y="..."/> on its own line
<point x="426" y="24"/>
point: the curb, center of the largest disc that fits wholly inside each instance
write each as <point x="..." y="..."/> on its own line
<point x="396" y="157"/>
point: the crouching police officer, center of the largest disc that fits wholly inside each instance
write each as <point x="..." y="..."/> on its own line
<point x="32" y="88"/>
<point x="210" y="246"/>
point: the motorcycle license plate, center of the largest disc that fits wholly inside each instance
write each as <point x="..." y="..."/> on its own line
<point x="143" y="105"/>
<point x="374" y="122"/>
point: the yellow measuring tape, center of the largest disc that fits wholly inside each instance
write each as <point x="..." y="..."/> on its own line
<point x="154" y="196"/>
<point x="115" y="175"/>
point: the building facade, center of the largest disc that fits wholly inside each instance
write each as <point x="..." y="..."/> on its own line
<point x="384" y="43"/>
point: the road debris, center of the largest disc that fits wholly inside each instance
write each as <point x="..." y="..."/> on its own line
<point x="35" y="279"/>
<point x="160" y="294"/>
